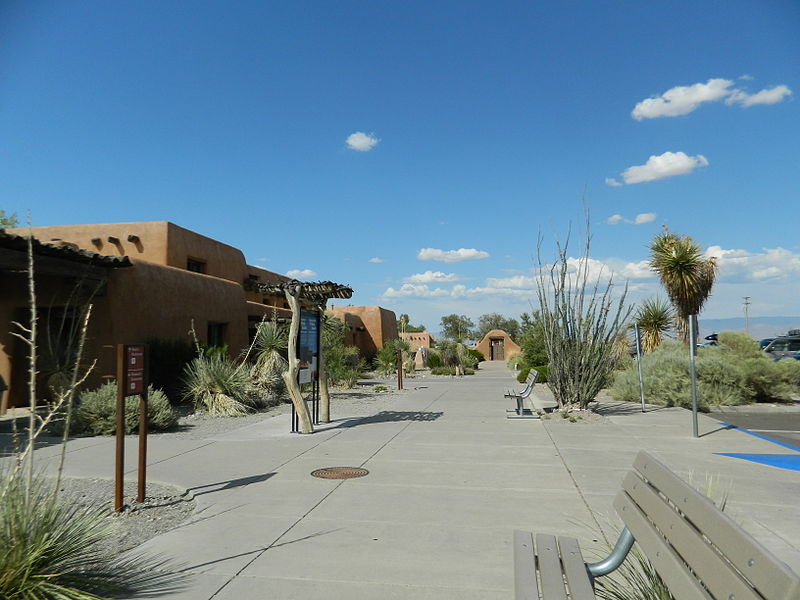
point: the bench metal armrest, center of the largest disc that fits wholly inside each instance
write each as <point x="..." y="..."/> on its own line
<point x="615" y="559"/>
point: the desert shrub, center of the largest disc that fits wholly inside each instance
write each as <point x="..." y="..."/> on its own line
<point x="789" y="368"/>
<point x="724" y="376"/>
<point x="434" y="360"/>
<point x="451" y="371"/>
<point x="386" y="360"/>
<point x="542" y="378"/>
<point x="96" y="411"/>
<point x="739" y="344"/>
<point x="269" y="349"/>
<point x="341" y="361"/>
<point x="167" y="360"/>
<point x="523" y="374"/>
<point x="219" y="386"/>
<point x="478" y="356"/>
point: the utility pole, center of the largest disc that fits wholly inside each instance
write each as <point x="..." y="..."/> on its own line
<point x="747" y="315"/>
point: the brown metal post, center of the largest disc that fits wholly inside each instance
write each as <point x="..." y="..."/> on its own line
<point x="140" y="492"/>
<point x="399" y="369"/>
<point x="119" y="471"/>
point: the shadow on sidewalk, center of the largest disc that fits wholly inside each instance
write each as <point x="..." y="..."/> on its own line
<point x="616" y="409"/>
<point x="227" y="485"/>
<point x="392" y="416"/>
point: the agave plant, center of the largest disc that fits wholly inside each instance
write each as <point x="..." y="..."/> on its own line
<point x="269" y="347"/>
<point x="218" y="385"/>
<point x="655" y="317"/>
<point x="52" y="550"/>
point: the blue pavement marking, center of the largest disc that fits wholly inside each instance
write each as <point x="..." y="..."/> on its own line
<point x="782" y="461"/>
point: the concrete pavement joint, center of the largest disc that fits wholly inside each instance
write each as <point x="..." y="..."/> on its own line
<point x="577" y="487"/>
<point x="274" y="542"/>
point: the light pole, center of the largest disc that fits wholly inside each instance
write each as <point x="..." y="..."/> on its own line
<point x="747" y="315"/>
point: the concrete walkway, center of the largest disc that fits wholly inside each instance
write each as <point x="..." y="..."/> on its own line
<point x="449" y="479"/>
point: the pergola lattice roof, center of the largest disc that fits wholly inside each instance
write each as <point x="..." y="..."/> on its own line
<point x="312" y="292"/>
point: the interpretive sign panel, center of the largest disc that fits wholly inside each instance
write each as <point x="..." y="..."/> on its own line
<point x="134" y="370"/>
<point x="308" y="345"/>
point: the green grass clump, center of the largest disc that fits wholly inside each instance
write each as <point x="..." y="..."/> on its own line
<point x="51" y="550"/>
<point x="96" y="412"/>
<point x="218" y="385"/>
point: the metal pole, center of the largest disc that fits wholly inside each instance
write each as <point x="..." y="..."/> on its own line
<point x="747" y="315"/>
<point x="140" y="492"/>
<point x="639" y="362"/>
<point x="693" y="369"/>
<point x="119" y="471"/>
<point x="399" y="369"/>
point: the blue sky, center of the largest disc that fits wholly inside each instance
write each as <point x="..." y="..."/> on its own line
<point x="474" y="127"/>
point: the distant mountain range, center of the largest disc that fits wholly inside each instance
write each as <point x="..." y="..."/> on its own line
<point x="760" y="327"/>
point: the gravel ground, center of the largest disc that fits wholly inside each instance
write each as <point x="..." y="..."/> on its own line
<point x="164" y="508"/>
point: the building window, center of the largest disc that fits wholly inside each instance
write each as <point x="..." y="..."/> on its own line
<point x="216" y="333"/>
<point x="195" y="265"/>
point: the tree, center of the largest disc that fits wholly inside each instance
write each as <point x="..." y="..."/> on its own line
<point x="687" y="276"/>
<point x="8" y="220"/>
<point x="655" y="317"/>
<point x="456" y="327"/>
<point x="491" y="321"/>
<point x="404" y="325"/>
<point x="534" y="350"/>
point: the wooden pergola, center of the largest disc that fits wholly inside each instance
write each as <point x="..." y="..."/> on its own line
<point x="311" y="294"/>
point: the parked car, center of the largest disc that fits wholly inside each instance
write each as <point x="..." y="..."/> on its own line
<point x="787" y="345"/>
<point x="763" y="343"/>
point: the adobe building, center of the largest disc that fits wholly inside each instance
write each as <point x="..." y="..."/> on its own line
<point x="498" y="345"/>
<point x="152" y="280"/>
<point x="368" y="326"/>
<point x="420" y="343"/>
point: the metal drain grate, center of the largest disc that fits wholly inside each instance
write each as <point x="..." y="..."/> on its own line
<point x="339" y="472"/>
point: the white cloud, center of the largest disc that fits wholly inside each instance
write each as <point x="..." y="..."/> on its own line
<point x="375" y="259"/>
<point x="765" y="96"/>
<point x="639" y="219"/>
<point x="451" y="256"/>
<point x="433" y="277"/>
<point x="516" y="282"/>
<point x="301" y="274"/>
<point x="681" y="100"/>
<point x="643" y="218"/>
<point x="262" y="259"/>
<point x="361" y="141"/>
<point x="612" y="182"/>
<point x="668" y="164"/>
<point x="416" y="291"/>
<point x="777" y="264"/>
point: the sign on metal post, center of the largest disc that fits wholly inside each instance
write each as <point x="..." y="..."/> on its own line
<point x="308" y="349"/>
<point x="132" y="380"/>
<point x="693" y="369"/>
<point x="639" y="361"/>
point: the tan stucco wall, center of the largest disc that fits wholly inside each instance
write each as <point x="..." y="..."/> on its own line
<point x="510" y="348"/>
<point x="370" y="326"/>
<point x="417" y="339"/>
<point x="157" y="297"/>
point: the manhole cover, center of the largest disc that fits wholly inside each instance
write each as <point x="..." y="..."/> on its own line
<point x="339" y="472"/>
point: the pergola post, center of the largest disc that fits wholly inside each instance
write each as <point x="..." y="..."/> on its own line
<point x="324" y="394"/>
<point x="290" y="376"/>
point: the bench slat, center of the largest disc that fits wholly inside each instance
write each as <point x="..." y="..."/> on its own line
<point x="772" y="578"/>
<point x="710" y="567"/>
<point x="550" y="568"/>
<point x="525" y="587"/>
<point x="575" y="569"/>
<point x="670" y="567"/>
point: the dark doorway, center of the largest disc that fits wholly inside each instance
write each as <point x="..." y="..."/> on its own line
<point x="496" y="349"/>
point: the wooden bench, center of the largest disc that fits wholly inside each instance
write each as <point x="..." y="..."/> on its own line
<point x="697" y="550"/>
<point x="520" y="412"/>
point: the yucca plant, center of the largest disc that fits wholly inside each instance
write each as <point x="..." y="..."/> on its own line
<point x="687" y="276"/>
<point x="51" y="549"/>
<point x="269" y="348"/>
<point x="655" y="318"/>
<point x="218" y="385"/>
